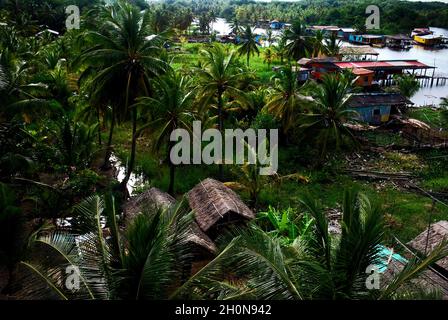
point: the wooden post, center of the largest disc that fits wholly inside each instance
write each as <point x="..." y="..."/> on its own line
<point x="432" y="78"/>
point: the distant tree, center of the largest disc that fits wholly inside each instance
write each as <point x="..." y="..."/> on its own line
<point x="317" y="43"/>
<point x="268" y="56"/>
<point x="269" y="36"/>
<point x="408" y="85"/>
<point x="297" y="45"/>
<point x="123" y="62"/>
<point x="235" y="27"/>
<point x="218" y="76"/>
<point x="324" y="126"/>
<point x="170" y="109"/>
<point x="285" y="101"/>
<point x="249" y="45"/>
<point x="332" y="45"/>
<point x="280" y="49"/>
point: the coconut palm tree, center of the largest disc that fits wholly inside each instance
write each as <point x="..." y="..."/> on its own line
<point x="280" y="49"/>
<point x="123" y="61"/>
<point x="408" y="85"/>
<point x="332" y="45"/>
<point x="285" y="100"/>
<point x="235" y="27"/>
<point x="325" y="125"/>
<point x="219" y="77"/>
<point x="297" y="44"/>
<point x="316" y="265"/>
<point x="317" y="43"/>
<point x="249" y="45"/>
<point x="269" y="36"/>
<point x="268" y="56"/>
<point x="144" y="262"/>
<point x="170" y="109"/>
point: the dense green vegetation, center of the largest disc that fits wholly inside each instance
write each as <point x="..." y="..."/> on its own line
<point x="119" y="86"/>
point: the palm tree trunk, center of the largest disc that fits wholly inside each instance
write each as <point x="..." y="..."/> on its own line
<point x="220" y="128"/>
<point x="248" y="57"/>
<point x="99" y="124"/>
<point x="133" y="148"/>
<point x="106" y="164"/>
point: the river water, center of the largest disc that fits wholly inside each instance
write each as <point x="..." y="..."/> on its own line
<point x="439" y="58"/>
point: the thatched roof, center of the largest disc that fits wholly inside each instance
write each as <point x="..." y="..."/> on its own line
<point x="152" y="199"/>
<point x="437" y="233"/>
<point x="199" y="238"/>
<point x="155" y="199"/>
<point x="211" y="200"/>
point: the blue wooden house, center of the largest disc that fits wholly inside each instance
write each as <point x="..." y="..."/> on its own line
<point x="275" y="24"/>
<point x="370" y="39"/>
<point x="375" y="108"/>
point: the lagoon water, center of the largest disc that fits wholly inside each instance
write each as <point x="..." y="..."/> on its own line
<point x="439" y="58"/>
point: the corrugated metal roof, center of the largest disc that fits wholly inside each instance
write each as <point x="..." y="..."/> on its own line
<point x="361" y="71"/>
<point x="377" y="99"/>
<point x="404" y="64"/>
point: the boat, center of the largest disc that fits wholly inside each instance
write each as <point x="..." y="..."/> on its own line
<point x="399" y="42"/>
<point x="429" y="40"/>
<point x="421" y="32"/>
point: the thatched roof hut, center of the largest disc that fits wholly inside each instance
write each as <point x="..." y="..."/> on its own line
<point x="152" y="199"/>
<point x="199" y="238"/>
<point x="213" y="203"/>
<point x="156" y="199"/>
<point x="426" y="242"/>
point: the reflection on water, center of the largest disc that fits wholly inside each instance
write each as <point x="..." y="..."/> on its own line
<point x="439" y="58"/>
<point x="135" y="180"/>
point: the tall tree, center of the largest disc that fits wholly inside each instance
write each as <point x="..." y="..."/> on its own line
<point x="332" y="45"/>
<point x="285" y="100"/>
<point x="125" y="58"/>
<point x="219" y="77"/>
<point x="249" y="45"/>
<point x="170" y="109"/>
<point x="297" y="44"/>
<point x="317" y="43"/>
<point x="325" y="124"/>
<point x="408" y="85"/>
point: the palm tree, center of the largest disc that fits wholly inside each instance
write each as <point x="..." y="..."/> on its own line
<point x="219" y="77"/>
<point x="280" y="49"/>
<point x="249" y="45"/>
<point x="332" y="45"/>
<point x="235" y="27"/>
<point x="326" y="124"/>
<point x="124" y="59"/>
<point x="285" y="99"/>
<point x="317" y="43"/>
<point x="297" y="45"/>
<point x="268" y="56"/>
<point x="170" y="109"/>
<point x="316" y="265"/>
<point x="269" y="36"/>
<point x="408" y="85"/>
<point x="144" y="262"/>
